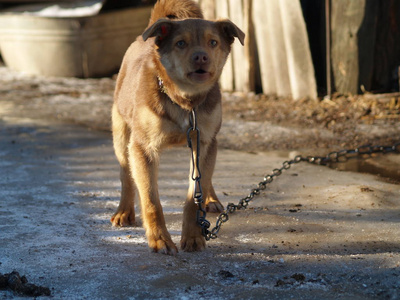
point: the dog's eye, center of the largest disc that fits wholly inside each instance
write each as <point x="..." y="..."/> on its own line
<point x="213" y="43"/>
<point x="181" y="44"/>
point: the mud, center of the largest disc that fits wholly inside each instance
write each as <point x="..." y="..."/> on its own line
<point x="20" y="286"/>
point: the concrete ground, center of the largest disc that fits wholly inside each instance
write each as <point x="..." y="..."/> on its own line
<point x="315" y="233"/>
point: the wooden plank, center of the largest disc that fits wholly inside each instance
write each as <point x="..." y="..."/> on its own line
<point x="250" y="45"/>
<point x="226" y="80"/>
<point x="283" y="50"/>
<point x="271" y="47"/>
<point x="240" y="61"/>
<point x="298" y="54"/>
<point x="386" y="96"/>
<point x="208" y="7"/>
<point x="346" y="18"/>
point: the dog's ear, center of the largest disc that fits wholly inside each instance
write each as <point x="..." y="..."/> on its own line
<point x="160" y="29"/>
<point x="231" y="31"/>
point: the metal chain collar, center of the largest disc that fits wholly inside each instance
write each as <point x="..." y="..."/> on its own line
<point x="333" y="157"/>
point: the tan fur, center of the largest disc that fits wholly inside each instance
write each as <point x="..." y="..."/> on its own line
<point x="147" y="118"/>
<point x="175" y="10"/>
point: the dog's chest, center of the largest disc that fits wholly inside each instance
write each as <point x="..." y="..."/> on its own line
<point x="179" y="119"/>
<point x="184" y="123"/>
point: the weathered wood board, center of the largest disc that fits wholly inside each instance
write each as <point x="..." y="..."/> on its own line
<point x="346" y="20"/>
<point x="226" y="81"/>
<point x="284" y="54"/>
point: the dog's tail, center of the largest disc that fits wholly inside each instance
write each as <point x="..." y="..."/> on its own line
<point x="175" y="9"/>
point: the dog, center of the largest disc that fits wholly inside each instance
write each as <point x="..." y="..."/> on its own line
<point x="171" y="69"/>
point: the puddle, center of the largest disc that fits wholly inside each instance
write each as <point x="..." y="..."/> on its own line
<point x="385" y="166"/>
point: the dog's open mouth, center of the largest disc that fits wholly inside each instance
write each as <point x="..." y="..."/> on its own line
<point x="200" y="71"/>
<point x="200" y="76"/>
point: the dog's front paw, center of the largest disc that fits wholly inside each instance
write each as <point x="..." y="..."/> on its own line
<point x="163" y="246"/>
<point x="194" y="243"/>
<point x="214" y="206"/>
<point x="123" y="218"/>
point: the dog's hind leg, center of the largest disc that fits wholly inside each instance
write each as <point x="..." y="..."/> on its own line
<point x="125" y="214"/>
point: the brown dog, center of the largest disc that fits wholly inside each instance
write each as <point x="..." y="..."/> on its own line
<point x="167" y="72"/>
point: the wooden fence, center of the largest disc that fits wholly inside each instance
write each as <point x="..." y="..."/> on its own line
<point x="365" y="45"/>
<point x="361" y="53"/>
<point x="276" y="58"/>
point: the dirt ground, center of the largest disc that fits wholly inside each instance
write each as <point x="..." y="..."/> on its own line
<point x="251" y="122"/>
<point x="315" y="233"/>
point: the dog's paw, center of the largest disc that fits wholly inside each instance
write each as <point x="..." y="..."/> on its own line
<point x="123" y="218"/>
<point x="214" y="206"/>
<point x="191" y="244"/>
<point x="163" y="246"/>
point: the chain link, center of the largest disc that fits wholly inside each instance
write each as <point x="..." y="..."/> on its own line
<point x="244" y="202"/>
<point x="333" y="157"/>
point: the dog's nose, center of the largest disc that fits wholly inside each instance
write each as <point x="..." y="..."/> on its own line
<point x="200" y="58"/>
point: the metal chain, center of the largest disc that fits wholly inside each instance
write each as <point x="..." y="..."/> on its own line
<point x="244" y="202"/>
<point x="333" y="157"/>
<point x="196" y="174"/>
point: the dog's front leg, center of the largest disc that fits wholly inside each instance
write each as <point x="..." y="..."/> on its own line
<point x="145" y="173"/>
<point x="192" y="238"/>
<point x="207" y="164"/>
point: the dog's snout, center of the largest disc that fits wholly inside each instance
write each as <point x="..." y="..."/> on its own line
<point x="200" y="58"/>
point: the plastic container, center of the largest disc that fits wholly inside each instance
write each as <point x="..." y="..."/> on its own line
<point x="90" y="46"/>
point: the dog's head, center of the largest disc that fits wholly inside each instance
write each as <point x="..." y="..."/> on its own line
<point x="193" y="51"/>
